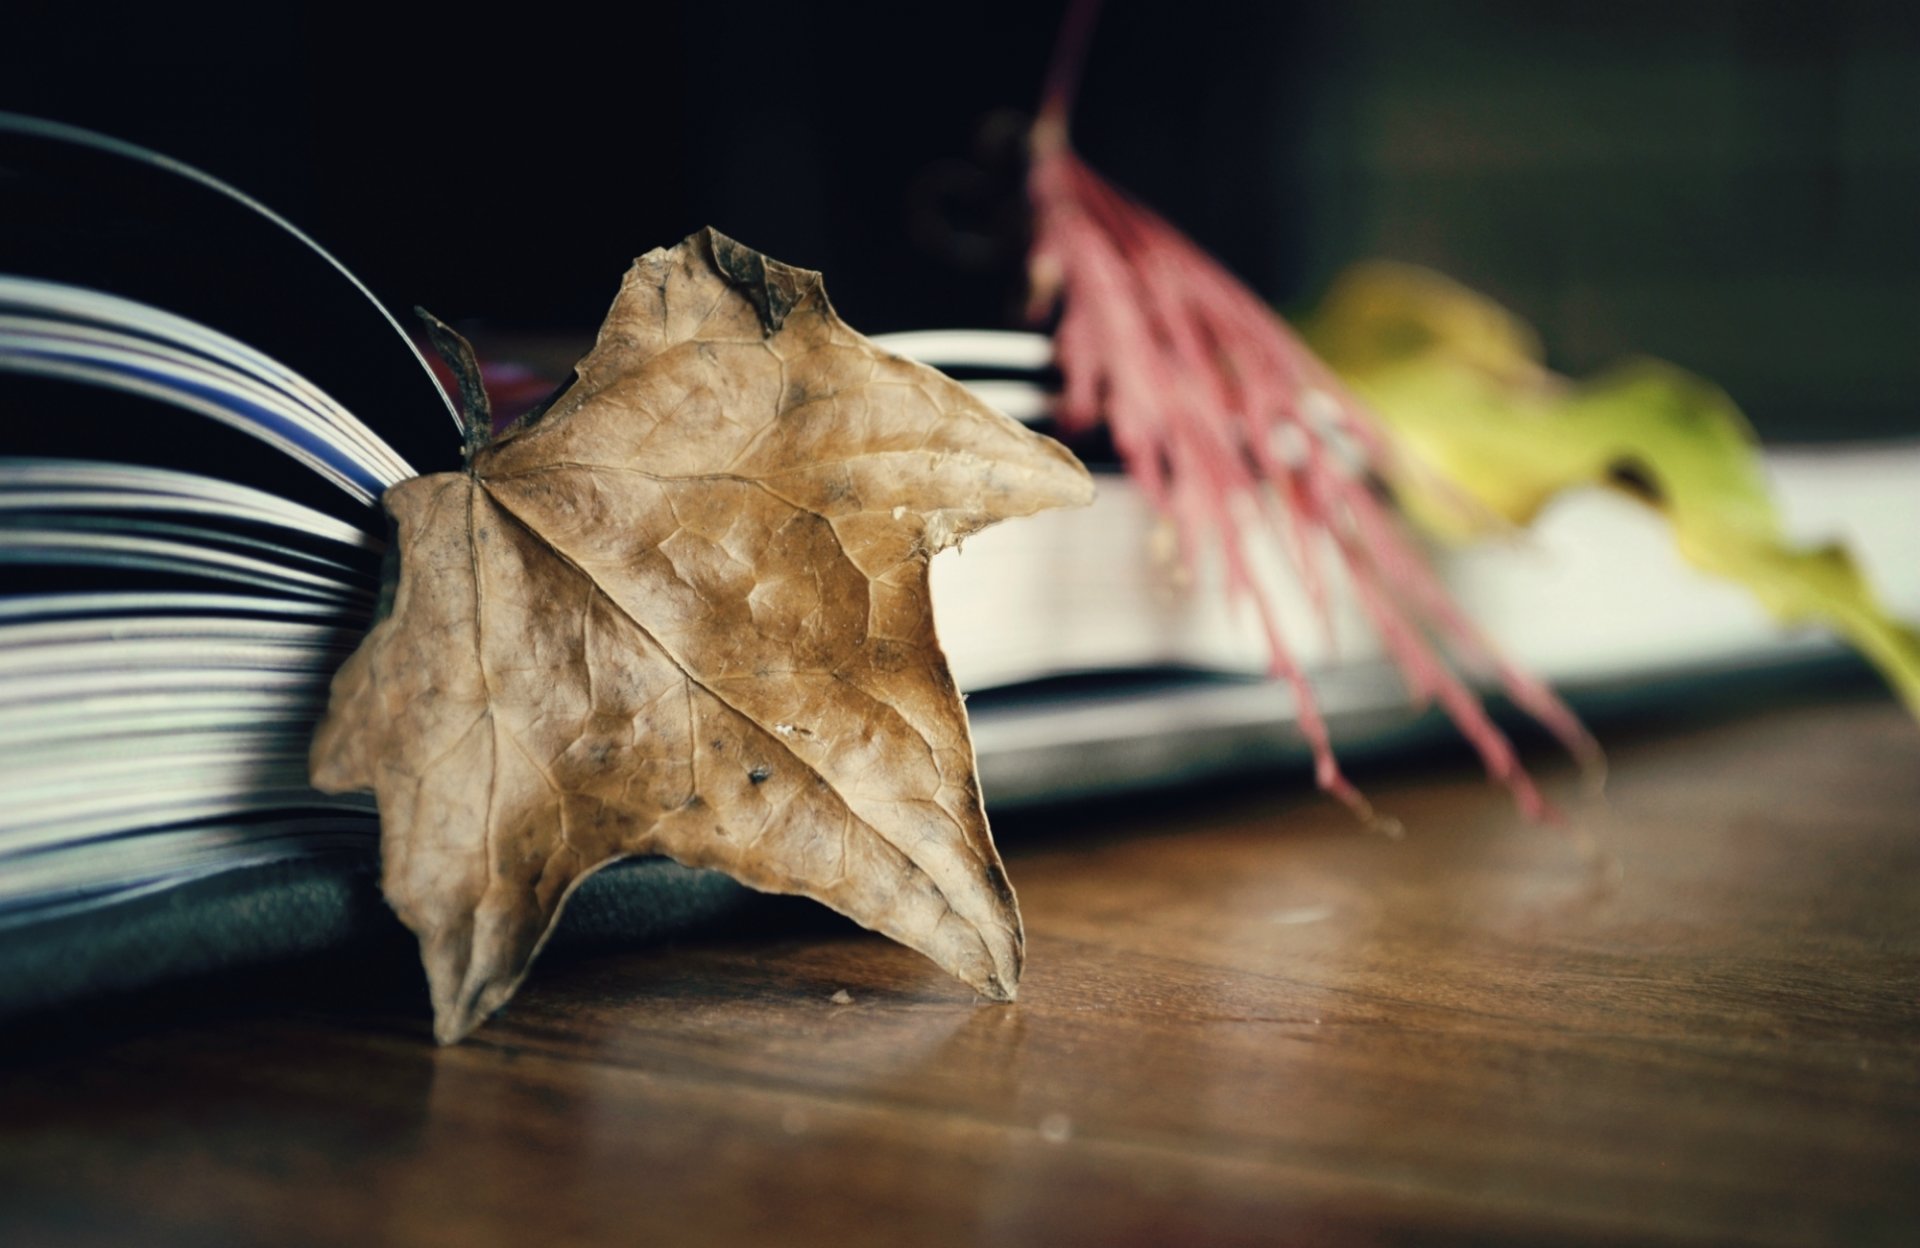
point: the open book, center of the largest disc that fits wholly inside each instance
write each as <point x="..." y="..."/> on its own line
<point x="202" y="409"/>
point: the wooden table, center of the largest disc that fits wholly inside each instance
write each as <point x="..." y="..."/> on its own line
<point x="1244" y="1021"/>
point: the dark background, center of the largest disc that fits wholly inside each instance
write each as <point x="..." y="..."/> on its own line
<point x="1731" y="185"/>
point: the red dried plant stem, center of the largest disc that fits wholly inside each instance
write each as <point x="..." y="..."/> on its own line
<point x="1224" y="417"/>
<point x="1149" y="380"/>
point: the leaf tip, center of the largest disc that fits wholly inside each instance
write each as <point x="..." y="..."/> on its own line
<point x="773" y="288"/>
<point x="459" y="1014"/>
<point x="1006" y="949"/>
<point x="1005" y="992"/>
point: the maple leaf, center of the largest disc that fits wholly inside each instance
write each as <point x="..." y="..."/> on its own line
<point x="684" y="611"/>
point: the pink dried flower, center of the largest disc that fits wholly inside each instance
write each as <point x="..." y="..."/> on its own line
<point x="1226" y="421"/>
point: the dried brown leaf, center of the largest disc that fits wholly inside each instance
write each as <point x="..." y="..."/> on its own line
<point x="685" y="612"/>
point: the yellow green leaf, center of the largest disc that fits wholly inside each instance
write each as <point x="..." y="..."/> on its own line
<point x="1488" y="436"/>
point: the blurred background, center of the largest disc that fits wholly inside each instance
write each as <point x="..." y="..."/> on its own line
<point x="1728" y="184"/>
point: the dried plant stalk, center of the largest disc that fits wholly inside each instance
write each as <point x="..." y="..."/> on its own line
<point x="1226" y="420"/>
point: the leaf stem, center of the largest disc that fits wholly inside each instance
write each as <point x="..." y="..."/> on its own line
<point x="1062" y="83"/>
<point x="476" y="409"/>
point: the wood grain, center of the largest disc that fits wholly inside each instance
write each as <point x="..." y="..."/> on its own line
<point x="1243" y="1022"/>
